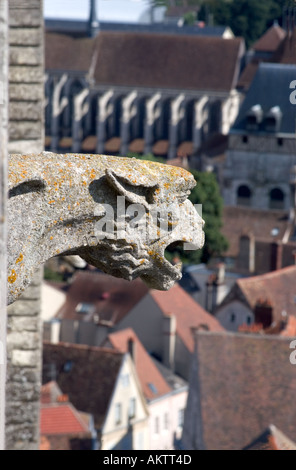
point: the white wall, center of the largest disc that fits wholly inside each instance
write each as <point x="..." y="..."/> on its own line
<point x="126" y="388"/>
<point x="170" y="405"/>
<point x="233" y="315"/>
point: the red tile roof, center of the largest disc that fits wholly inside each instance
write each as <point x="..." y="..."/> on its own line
<point x="86" y="374"/>
<point x="145" y="60"/>
<point x="271" y="439"/>
<point x="242" y="384"/>
<point x="167" y="61"/>
<point x="290" y="328"/>
<point x="279" y="287"/>
<point x="65" y="53"/>
<point x="189" y="314"/>
<point x="145" y="367"/>
<point x="61" y="419"/>
<point x="271" y="40"/>
<point x="50" y="392"/>
<point x="286" y="53"/>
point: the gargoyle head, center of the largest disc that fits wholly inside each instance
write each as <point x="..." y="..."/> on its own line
<point x="149" y="211"/>
<point x="119" y="214"/>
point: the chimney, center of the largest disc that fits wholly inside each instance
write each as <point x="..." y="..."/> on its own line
<point x="131" y="345"/>
<point x="276" y="255"/>
<point x="169" y="341"/>
<point x="263" y="312"/>
<point x="246" y="256"/>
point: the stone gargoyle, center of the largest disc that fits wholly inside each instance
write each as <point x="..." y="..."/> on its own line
<point x="118" y="214"/>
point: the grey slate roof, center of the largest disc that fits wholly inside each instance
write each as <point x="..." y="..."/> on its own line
<point x="270" y="87"/>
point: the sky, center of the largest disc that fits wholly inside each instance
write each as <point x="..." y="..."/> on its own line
<point x="107" y="10"/>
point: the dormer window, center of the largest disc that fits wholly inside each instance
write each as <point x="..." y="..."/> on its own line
<point x="254" y="118"/>
<point x="273" y="119"/>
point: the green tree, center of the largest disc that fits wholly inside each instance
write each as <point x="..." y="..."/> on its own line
<point x="247" y="18"/>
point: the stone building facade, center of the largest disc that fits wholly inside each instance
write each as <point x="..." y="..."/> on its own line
<point x="261" y="153"/>
<point x="139" y="92"/>
<point x="26" y="128"/>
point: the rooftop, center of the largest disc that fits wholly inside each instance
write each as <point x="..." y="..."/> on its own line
<point x="98" y="297"/>
<point x="152" y="381"/>
<point x="244" y="383"/>
<point x="187" y="62"/>
<point x="96" y="368"/>
<point x="270" y="89"/>
<point x="189" y="314"/>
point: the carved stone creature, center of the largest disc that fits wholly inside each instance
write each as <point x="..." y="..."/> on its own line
<point x="118" y="214"/>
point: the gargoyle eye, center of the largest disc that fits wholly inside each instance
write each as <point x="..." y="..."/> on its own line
<point x="26" y="187"/>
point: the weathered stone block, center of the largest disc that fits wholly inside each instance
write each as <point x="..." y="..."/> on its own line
<point x="27" y="308"/>
<point x="25" y="111"/>
<point x="23" y="324"/>
<point x="25" y="55"/>
<point x="25" y="74"/>
<point x="25" y="37"/>
<point x="24" y="130"/>
<point x="21" y="437"/>
<point x="25" y="92"/>
<point x="24" y="392"/>
<point x="29" y="4"/>
<point x="20" y="146"/>
<point x="21" y="17"/>
<point x="23" y="340"/>
<point x="24" y="358"/>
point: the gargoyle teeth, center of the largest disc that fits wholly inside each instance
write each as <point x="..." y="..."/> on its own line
<point x="179" y="265"/>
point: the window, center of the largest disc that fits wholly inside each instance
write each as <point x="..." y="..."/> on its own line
<point x="244" y="195"/>
<point x="166" y="421"/>
<point x="180" y="418"/>
<point x="249" y="320"/>
<point x="280" y="142"/>
<point x="156" y="425"/>
<point x="124" y="379"/>
<point x="232" y="318"/>
<point x="85" y="308"/>
<point x="276" y="199"/>
<point x="118" y="413"/>
<point x="245" y="139"/>
<point x="132" y="408"/>
<point x="152" y="388"/>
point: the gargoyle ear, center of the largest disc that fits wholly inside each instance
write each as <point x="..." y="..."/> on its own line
<point x="138" y="189"/>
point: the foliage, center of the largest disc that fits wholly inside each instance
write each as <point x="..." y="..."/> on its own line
<point x="247" y="18"/>
<point x="50" y="275"/>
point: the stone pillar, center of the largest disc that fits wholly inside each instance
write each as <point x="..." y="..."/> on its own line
<point x="199" y="120"/>
<point x="177" y="113"/>
<point x="3" y="192"/>
<point x="129" y="110"/>
<point x="105" y="109"/>
<point x="81" y="107"/>
<point x="58" y="106"/>
<point x="26" y="131"/>
<point x="153" y="111"/>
